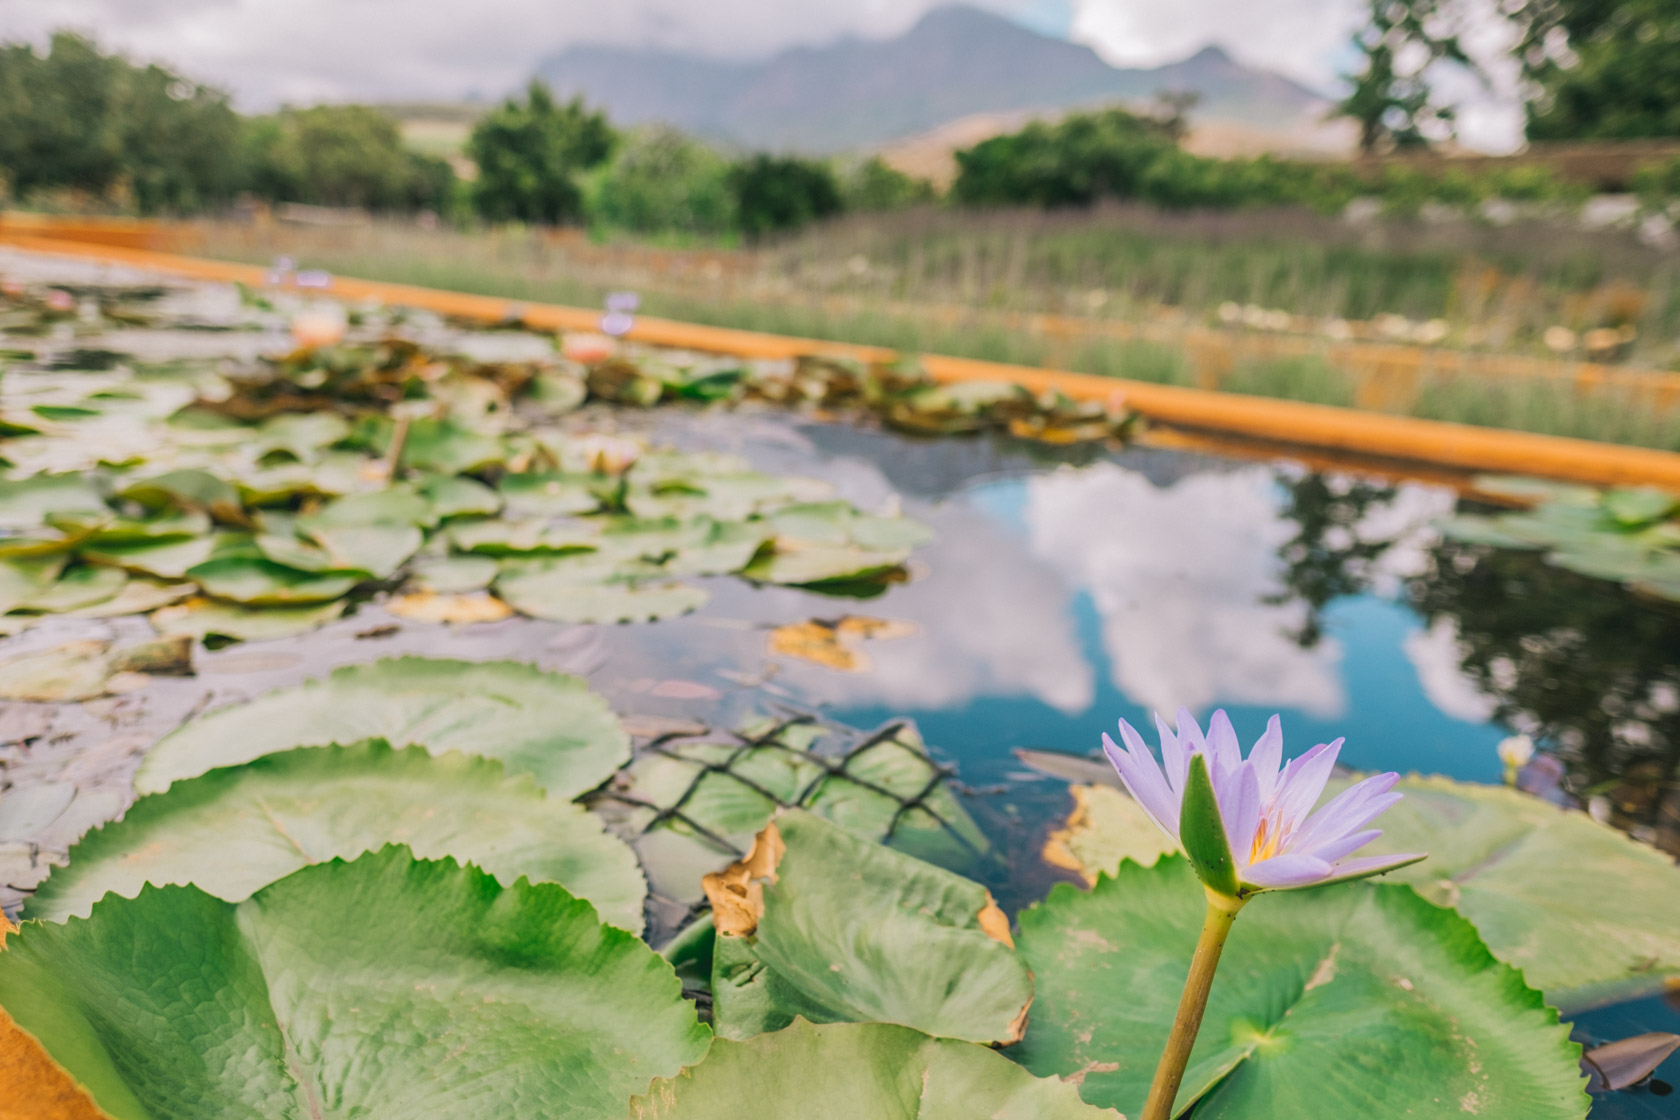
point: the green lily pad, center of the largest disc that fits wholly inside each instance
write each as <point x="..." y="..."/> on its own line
<point x="79" y="587"/>
<point x="854" y="932"/>
<point x="657" y="489"/>
<point x="825" y="542"/>
<point x="1357" y="1000"/>
<point x="587" y="589"/>
<point x="233" y="831"/>
<point x="545" y="724"/>
<point x="263" y="583"/>
<point x="24" y="578"/>
<point x="138" y="595"/>
<point x="848" y="1071"/>
<point x="522" y="537"/>
<point x="453" y="575"/>
<point x="25" y="503"/>
<point x="383" y="988"/>
<point x="1587" y="913"/>
<point x="168" y="559"/>
<point x="447" y="446"/>
<point x="1636" y="506"/>
<point x="701" y="547"/>
<point x="199" y="617"/>
<point x="552" y="494"/>
<point x="399" y="504"/>
<point x="187" y="489"/>
<point x="451" y="496"/>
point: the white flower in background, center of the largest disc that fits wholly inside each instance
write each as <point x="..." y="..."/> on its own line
<point x="606" y="454"/>
<point x="1515" y="753"/>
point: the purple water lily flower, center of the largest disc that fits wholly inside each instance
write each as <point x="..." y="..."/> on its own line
<point x="1247" y="824"/>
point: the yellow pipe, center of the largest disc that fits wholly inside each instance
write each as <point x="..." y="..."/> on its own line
<point x="1460" y="446"/>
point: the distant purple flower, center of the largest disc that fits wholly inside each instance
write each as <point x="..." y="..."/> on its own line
<point x="617" y="323"/>
<point x="623" y="301"/>
<point x="313" y="278"/>
<point x="1272" y="838"/>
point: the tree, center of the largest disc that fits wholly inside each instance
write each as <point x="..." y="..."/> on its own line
<point x="1599" y="69"/>
<point x="529" y="156"/>
<point x="1392" y="99"/>
<point x="774" y="193"/>
<point x="661" y="180"/>
<point x="1084" y="157"/>
<point x="79" y="119"/>
<point x="343" y="155"/>
<point x="873" y="185"/>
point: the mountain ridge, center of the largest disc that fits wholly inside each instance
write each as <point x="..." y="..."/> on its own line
<point x="858" y="93"/>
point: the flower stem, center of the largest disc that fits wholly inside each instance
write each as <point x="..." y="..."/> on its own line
<point x="1221" y="912"/>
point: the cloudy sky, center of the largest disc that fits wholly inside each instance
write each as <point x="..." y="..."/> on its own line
<point x="310" y="50"/>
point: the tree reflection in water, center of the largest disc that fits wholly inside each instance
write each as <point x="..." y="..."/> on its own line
<point x="1587" y="668"/>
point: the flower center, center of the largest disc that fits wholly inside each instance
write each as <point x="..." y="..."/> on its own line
<point x="1268" y="840"/>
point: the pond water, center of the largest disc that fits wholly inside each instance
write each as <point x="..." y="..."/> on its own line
<point x="1064" y="591"/>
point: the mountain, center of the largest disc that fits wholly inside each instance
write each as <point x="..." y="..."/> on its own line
<point x="862" y="93"/>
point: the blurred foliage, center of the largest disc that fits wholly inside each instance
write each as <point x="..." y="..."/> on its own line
<point x="1600" y="69"/>
<point x="1392" y="100"/>
<point x="530" y="154"/>
<point x="662" y="180"/>
<point x="343" y="155"/>
<point x="873" y="185"/>
<point x="774" y="193"/>
<point x="140" y="135"/>
<point x="1658" y="185"/>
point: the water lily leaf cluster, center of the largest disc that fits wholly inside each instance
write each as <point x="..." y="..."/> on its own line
<point x="1629" y="535"/>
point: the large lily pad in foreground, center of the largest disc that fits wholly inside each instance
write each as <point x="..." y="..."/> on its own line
<point x="1357" y="1000"/>
<point x="536" y="722"/>
<point x="850" y="1071"/>
<point x="383" y="988"/>
<point x="233" y="831"/>
<point x="1587" y="913"/>
<point x="846" y="930"/>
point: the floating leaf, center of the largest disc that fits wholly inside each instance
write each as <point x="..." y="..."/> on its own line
<point x="167" y="559"/>
<point x="697" y="547"/>
<point x="833" y="644"/>
<point x="447" y="446"/>
<point x="657" y="490"/>
<point x="235" y="830"/>
<point x="536" y="536"/>
<point x="1105" y="828"/>
<point x="433" y="606"/>
<point x="1636" y="506"/>
<point x="848" y="1071"/>
<point x="551" y="494"/>
<point x="138" y="595"/>
<point x="387" y="987"/>
<point x="546" y="724"/>
<point x="25" y="503"/>
<point x="188" y="489"/>
<point x="1351" y="1000"/>
<point x="586" y="589"/>
<point x="25" y="578"/>
<point x="850" y="931"/>
<point x="263" y="583"/>
<point x="457" y="497"/>
<point x="831" y="541"/>
<point x="203" y="618"/>
<point x="454" y="574"/>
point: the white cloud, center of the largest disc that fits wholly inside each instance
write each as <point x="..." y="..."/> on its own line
<point x="1436" y="653"/>
<point x="1179" y="575"/>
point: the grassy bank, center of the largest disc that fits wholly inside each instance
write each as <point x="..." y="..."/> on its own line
<point x="816" y="287"/>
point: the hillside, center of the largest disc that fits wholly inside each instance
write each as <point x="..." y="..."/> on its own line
<point x="957" y="62"/>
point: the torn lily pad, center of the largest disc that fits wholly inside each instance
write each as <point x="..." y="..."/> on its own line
<point x="820" y="924"/>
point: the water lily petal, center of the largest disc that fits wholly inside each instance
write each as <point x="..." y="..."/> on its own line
<point x="1239" y="805"/>
<point x="1175" y="757"/>
<point x="1190" y="733"/>
<point x="1301" y="783"/>
<point x="1348" y="811"/>
<point x="1144" y="782"/>
<point x="1282" y="872"/>
<point x="1366" y="866"/>
<point x="1223" y="750"/>
<point x="1267" y="756"/>
<point x="1343" y="846"/>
